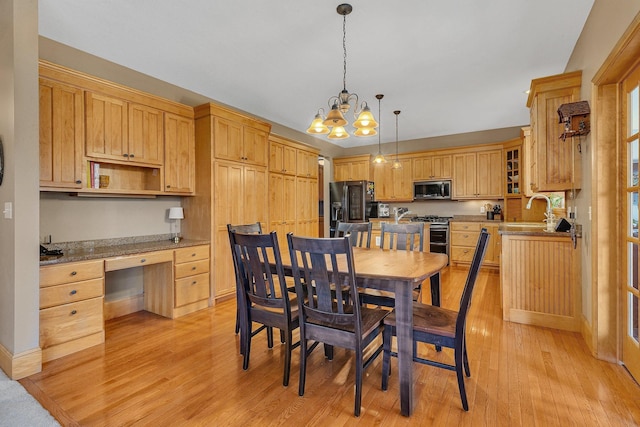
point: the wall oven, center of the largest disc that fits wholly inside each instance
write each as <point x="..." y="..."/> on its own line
<point x="438" y="233"/>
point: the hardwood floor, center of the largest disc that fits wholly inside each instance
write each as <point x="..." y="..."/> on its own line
<point x="157" y="371"/>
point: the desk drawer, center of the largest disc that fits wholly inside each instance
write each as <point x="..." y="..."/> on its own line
<point x="71" y="292"/>
<point x="464" y="238"/>
<point x="192" y="289"/>
<point x="192" y="268"/>
<point x="138" y="260"/>
<point x="70" y="272"/>
<point x="70" y="321"/>
<point x="193" y="253"/>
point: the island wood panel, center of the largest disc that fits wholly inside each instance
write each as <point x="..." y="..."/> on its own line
<point x="541" y="281"/>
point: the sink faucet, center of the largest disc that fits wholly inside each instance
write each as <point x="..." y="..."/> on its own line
<point x="399" y="213"/>
<point x="548" y="213"/>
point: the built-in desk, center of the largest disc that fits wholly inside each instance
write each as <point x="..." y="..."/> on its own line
<point x="175" y="276"/>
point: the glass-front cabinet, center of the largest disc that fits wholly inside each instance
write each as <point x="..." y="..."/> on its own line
<point x="513" y="164"/>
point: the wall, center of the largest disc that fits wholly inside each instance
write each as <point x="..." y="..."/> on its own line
<point x="603" y="29"/>
<point x="19" y="331"/>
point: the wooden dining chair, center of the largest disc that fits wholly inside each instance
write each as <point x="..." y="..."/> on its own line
<point x="407" y="237"/>
<point x="440" y="326"/>
<point x="359" y="232"/>
<point x="265" y="299"/>
<point x="330" y="317"/>
<point x="246" y="229"/>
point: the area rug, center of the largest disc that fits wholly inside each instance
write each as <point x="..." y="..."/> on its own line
<point x="18" y="408"/>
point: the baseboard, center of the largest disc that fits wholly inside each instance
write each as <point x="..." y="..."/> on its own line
<point x="587" y="335"/>
<point x="121" y="307"/>
<point x="21" y="365"/>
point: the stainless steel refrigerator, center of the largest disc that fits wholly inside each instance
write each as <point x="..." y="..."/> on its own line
<point x="351" y="201"/>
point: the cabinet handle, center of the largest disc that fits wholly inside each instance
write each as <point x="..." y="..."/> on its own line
<point x="193" y="254"/>
<point x="466" y="251"/>
<point x="125" y="155"/>
<point x="143" y="260"/>
<point x="193" y="268"/>
<point x="132" y="155"/>
<point x="73" y="292"/>
<point x="73" y="273"/>
<point x="78" y="181"/>
<point x="168" y="186"/>
<point x="194" y="282"/>
<point x="73" y="312"/>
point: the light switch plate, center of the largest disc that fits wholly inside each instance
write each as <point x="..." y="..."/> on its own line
<point x="8" y="210"/>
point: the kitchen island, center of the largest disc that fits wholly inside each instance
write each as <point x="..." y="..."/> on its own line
<point x="540" y="276"/>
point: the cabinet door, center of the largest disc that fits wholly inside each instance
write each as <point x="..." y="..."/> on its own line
<point x="383" y="178"/>
<point x="403" y="181"/>
<point x="227" y="139"/>
<point x="422" y="168"/>
<point x="276" y="157"/>
<point x="307" y="164"/>
<point x="441" y="166"/>
<point x="492" y="255"/>
<point x="341" y="171"/>
<point x="255" y="146"/>
<point x="360" y="170"/>
<point x="489" y="181"/>
<point x="146" y="135"/>
<point x="464" y="176"/>
<point x="106" y="127"/>
<point x="179" y="165"/>
<point x="61" y="117"/>
<point x="255" y="196"/>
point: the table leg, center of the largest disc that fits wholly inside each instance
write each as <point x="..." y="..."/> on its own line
<point x="435" y="289"/>
<point x="404" y="328"/>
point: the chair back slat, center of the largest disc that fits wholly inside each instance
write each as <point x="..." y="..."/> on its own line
<point x="465" y="299"/>
<point x="402" y="236"/>
<point x="359" y="233"/>
<point x="326" y="295"/>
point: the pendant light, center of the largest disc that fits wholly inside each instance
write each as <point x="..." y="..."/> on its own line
<point x="365" y="124"/>
<point x="396" y="163"/>
<point x="379" y="158"/>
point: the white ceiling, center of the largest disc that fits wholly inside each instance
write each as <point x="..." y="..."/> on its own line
<point x="450" y="66"/>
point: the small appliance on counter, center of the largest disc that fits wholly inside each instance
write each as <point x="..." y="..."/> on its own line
<point x="383" y="210"/>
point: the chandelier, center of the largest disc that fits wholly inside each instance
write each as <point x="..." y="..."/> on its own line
<point x="379" y="158"/>
<point x="365" y="124"/>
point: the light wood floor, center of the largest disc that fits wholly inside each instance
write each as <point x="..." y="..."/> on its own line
<point x="156" y="371"/>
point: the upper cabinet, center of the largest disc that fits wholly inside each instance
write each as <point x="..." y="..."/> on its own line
<point x="307" y="164"/>
<point x="555" y="162"/>
<point x="393" y="185"/>
<point x="282" y="157"/>
<point x="477" y="175"/>
<point x="92" y="128"/>
<point x="356" y="168"/>
<point x="61" y="135"/>
<point x="240" y="142"/>
<point x="432" y="166"/>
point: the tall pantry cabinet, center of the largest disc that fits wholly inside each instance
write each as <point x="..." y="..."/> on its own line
<point x="231" y="184"/>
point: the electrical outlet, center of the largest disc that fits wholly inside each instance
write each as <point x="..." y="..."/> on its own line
<point x="482" y="209"/>
<point x="377" y="240"/>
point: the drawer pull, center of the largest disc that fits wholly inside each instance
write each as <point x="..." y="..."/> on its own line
<point x="466" y="251"/>
<point x="465" y="236"/>
<point x="193" y="268"/>
<point x="193" y="254"/>
<point x="194" y="282"/>
<point x="73" y="273"/>
<point x="73" y="312"/>
<point x="143" y="260"/>
<point x="73" y="292"/>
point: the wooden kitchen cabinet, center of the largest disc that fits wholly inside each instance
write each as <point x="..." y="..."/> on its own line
<point x="307" y="207"/>
<point x="394" y="185"/>
<point x="307" y="164"/>
<point x="240" y="142"/>
<point x="436" y="166"/>
<point x="464" y="238"/>
<point x="556" y="162"/>
<point x="478" y="175"/>
<point x="354" y="168"/>
<point x="146" y="134"/>
<point x="191" y="273"/>
<point x="282" y="205"/>
<point x="106" y="126"/>
<point x="71" y="308"/>
<point x="179" y="167"/>
<point x="282" y="157"/>
<point x="61" y="134"/>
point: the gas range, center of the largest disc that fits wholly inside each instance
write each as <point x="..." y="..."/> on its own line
<point x="433" y="219"/>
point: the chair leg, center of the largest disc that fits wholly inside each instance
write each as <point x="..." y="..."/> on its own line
<point x="328" y="351"/>
<point x="459" y="356"/>
<point x="287" y="357"/>
<point x="465" y="359"/>
<point x="246" y="346"/>
<point x="269" y="337"/>
<point x="303" y="365"/>
<point x="386" y="356"/>
<point x="282" y="336"/>
<point x="359" y="369"/>
<point x="237" y="321"/>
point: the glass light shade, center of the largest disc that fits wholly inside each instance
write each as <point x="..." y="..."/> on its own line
<point x="338" y="132"/>
<point x="396" y="164"/>
<point x="379" y="159"/>
<point x="365" y="132"/>
<point x="335" y="117"/>
<point x="176" y="213"/>
<point x="317" y="126"/>
<point x="365" y="119"/>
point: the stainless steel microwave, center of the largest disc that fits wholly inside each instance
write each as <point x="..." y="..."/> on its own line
<point x="431" y="190"/>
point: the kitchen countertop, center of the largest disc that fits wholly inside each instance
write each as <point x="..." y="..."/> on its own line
<point x="535" y="230"/>
<point x="108" y="248"/>
<point x="473" y="218"/>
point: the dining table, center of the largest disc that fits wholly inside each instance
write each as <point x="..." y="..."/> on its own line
<point x="399" y="272"/>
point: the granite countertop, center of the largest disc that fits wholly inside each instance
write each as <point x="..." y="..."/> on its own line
<point x="108" y="248"/>
<point x="473" y="218"/>
<point x="535" y="229"/>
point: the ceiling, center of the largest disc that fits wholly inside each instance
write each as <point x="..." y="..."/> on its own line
<point x="450" y="66"/>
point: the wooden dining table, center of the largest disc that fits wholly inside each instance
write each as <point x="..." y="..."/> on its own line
<point x="398" y="272"/>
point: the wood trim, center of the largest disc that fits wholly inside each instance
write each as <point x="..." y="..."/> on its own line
<point x="122" y="307"/>
<point x="20" y="365"/>
<point x="292" y="143"/>
<point x="558" y="81"/>
<point x="587" y="334"/>
<point x="622" y="58"/>
<point x="66" y="348"/>
<point x="211" y="109"/>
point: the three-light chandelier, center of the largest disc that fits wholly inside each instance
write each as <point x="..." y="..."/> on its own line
<point x="365" y="124"/>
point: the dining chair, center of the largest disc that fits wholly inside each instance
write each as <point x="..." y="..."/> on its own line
<point x="408" y="237"/>
<point x="359" y="232"/>
<point x="327" y="316"/>
<point x="246" y="229"/>
<point x="440" y="326"/>
<point x="265" y="299"/>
